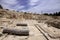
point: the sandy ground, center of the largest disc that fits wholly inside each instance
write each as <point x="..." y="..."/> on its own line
<point x="34" y="33"/>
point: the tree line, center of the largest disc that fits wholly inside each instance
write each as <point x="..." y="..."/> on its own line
<point x="53" y="14"/>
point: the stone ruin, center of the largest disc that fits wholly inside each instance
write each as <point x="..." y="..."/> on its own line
<point x="22" y="31"/>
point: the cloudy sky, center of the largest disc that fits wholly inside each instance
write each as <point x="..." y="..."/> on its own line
<point x="32" y="5"/>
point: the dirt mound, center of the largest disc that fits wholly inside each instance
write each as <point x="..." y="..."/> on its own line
<point x="54" y="23"/>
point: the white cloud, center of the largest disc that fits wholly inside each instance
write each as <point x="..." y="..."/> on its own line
<point x="17" y="7"/>
<point x="12" y="2"/>
<point x="43" y="5"/>
<point x="34" y="2"/>
<point x="46" y="5"/>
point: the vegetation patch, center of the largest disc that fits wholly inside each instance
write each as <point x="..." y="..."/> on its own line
<point x="54" y="24"/>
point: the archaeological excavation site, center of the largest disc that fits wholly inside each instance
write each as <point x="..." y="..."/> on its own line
<point x="15" y="25"/>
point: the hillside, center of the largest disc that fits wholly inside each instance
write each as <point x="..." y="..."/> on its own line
<point x="28" y="16"/>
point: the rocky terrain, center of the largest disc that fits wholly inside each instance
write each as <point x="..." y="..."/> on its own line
<point x="40" y="26"/>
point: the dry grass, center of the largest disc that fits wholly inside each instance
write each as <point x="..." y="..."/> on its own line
<point x="53" y="23"/>
<point x="21" y="15"/>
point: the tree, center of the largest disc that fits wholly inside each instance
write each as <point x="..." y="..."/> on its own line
<point x="1" y="7"/>
<point x="45" y="13"/>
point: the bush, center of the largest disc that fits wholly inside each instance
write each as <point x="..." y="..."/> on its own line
<point x="56" y="25"/>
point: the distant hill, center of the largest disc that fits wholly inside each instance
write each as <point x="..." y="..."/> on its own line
<point x="21" y="15"/>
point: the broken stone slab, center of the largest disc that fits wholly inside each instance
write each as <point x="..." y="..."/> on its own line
<point x="14" y="31"/>
<point x="21" y="24"/>
<point x="1" y="34"/>
<point x="52" y="32"/>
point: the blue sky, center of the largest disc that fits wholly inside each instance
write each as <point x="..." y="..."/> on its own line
<point x="37" y="6"/>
